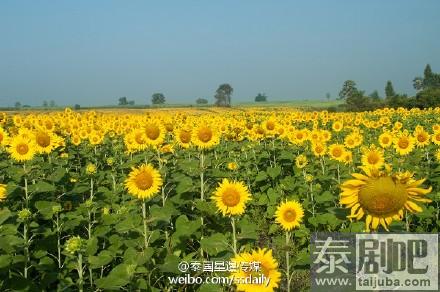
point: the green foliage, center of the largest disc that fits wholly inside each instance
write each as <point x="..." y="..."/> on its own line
<point x="201" y="101"/>
<point x="260" y="97"/>
<point x="158" y="98"/>
<point x="223" y="95"/>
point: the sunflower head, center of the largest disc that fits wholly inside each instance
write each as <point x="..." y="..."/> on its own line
<point x="382" y="196"/>
<point x="144" y="182"/>
<point x="268" y="267"/>
<point x="21" y="149"/>
<point x="289" y="215"/>
<point x="231" y="197"/>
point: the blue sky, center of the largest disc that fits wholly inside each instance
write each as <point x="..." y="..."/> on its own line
<point x="92" y="52"/>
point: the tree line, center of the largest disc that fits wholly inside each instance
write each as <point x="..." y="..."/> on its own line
<point x="427" y="87"/>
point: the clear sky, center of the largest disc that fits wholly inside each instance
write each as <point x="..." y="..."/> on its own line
<point x="92" y="52"/>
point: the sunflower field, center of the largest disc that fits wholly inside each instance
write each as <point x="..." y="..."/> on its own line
<point x="118" y="200"/>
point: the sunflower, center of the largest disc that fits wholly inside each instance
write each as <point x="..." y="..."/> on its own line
<point x="2" y="192"/>
<point x="232" y="165"/>
<point x="404" y="144"/>
<point x="3" y="137"/>
<point x="268" y="267"/>
<point x="289" y="215"/>
<point x="421" y="137"/>
<point x="154" y="132"/>
<point x="183" y="137"/>
<point x="301" y="161"/>
<point x="21" y="149"/>
<point x="205" y="136"/>
<point x="385" y="140"/>
<point x="319" y="149"/>
<point x="337" y="126"/>
<point x="336" y="151"/>
<point x="91" y="169"/>
<point x="436" y="138"/>
<point x="45" y="142"/>
<point x="382" y="196"/>
<point x="372" y="157"/>
<point x="143" y="182"/>
<point x="231" y="197"/>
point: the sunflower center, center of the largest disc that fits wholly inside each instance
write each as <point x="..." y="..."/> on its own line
<point x="43" y="139"/>
<point x="22" y="148"/>
<point x="337" y="152"/>
<point x="385" y="140"/>
<point x="185" y="136"/>
<point x="139" y="139"/>
<point x="205" y="134"/>
<point x="403" y="143"/>
<point x="383" y="196"/>
<point x="152" y="132"/>
<point x="143" y="181"/>
<point x="231" y="197"/>
<point x="270" y="125"/>
<point x="421" y="137"/>
<point x="373" y="158"/>
<point x="289" y="215"/>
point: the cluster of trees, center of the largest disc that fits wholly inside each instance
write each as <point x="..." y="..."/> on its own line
<point x="123" y="101"/>
<point x="428" y="94"/>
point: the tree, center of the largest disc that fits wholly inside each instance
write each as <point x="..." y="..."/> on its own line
<point x="45" y="104"/>
<point x="123" y="100"/>
<point x="261" y="97"/>
<point x="131" y="102"/>
<point x="223" y="95"/>
<point x="201" y="101"/>
<point x="327" y="95"/>
<point x="348" y="89"/>
<point x="375" y="95"/>
<point x="418" y="83"/>
<point x="389" y="90"/>
<point x="158" y="98"/>
<point x="427" y="98"/>
<point x="77" y="107"/>
<point x="18" y="105"/>
<point x="52" y="103"/>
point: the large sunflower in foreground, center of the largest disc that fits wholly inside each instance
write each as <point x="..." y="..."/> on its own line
<point x="268" y="268"/>
<point x="289" y="215"/>
<point x="143" y="182"/>
<point x="231" y="197"/>
<point x="381" y="196"/>
<point x="21" y="149"/>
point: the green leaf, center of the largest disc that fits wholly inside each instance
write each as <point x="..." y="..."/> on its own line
<point x="41" y="187"/>
<point x="261" y="176"/>
<point x="103" y="258"/>
<point x="57" y="175"/>
<point x="4" y="215"/>
<point x="117" y="278"/>
<point x="5" y="261"/>
<point x="248" y="229"/>
<point x="92" y="246"/>
<point x="163" y="213"/>
<point x="324" y="197"/>
<point x="214" y="244"/>
<point x="274" y="172"/>
<point x="170" y="265"/>
<point x="46" y="208"/>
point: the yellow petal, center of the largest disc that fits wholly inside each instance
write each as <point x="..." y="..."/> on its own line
<point x="419" y="190"/>
<point x="413" y="207"/>
<point x="368" y="222"/>
<point x="375" y="223"/>
<point x="354" y="183"/>
<point x="384" y="223"/>
<point x="348" y="200"/>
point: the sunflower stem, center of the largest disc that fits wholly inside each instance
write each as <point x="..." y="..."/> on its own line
<point x="288" y="261"/>
<point x="26" y="193"/>
<point x="144" y="217"/>
<point x="234" y="237"/>
<point x="80" y="273"/>
<point x="202" y="192"/>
